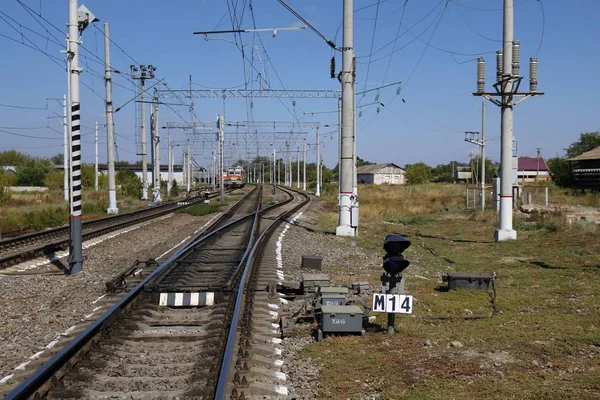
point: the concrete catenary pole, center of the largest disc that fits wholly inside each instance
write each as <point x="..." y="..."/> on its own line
<point x="75" y="239"/>
<point x="482" y="155"/>
<point x="65" y="150"/>
<point x="304" y="169"/>
<point x="110" y="141"/>
<point x="188" y="161"/>
<point x="347" y="146"/>
<point x="156" y="150"/>
<point x="221" y="158"/>
<point x="506" y="231"/>
<point x="170" y="154"/>
<point x="318" y="189"/>
<point x="96" y="157"/>
<point x="298" y="175"/>
<point x="339" y="151"/>
<point x="144" y="151"/>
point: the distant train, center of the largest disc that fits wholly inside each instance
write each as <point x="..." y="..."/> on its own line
<point x="235" y="178"/>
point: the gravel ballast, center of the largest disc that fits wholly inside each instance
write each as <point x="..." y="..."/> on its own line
<point x="304" y="238"/>
<point x="36" y="309"/>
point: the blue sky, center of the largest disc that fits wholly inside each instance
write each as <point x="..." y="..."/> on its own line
<point x="437" y="70"/>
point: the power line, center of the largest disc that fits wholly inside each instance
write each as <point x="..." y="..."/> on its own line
<point x="30" y="136"/>
<point x="23" y="107"/>
<point x="371" y="51"/>
<point x="543" y="27"/>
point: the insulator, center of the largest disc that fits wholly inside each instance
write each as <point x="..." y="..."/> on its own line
<point x="533" y="74"/>
<point x="499" y="68"/>
<point x="378" y="109"/>
<point x="516" y="57"/>
<point x="377" y="97"/>
<point x="332" y="67"/>
<point x="397" y="90"/>
<point x="360" y="114"/>
<point x="480" y="75"/>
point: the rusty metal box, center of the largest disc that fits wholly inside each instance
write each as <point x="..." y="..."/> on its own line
<point x="312" y="262"/>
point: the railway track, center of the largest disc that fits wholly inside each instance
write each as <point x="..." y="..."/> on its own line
<point x="178" y="333"/>
<point x="43" y="243"/>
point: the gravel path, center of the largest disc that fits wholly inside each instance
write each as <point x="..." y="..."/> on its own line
<point x="344" y="264"/>
<point x="38" y="308"/>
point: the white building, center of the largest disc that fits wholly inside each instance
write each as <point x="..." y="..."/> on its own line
<point x="381" y="173"/>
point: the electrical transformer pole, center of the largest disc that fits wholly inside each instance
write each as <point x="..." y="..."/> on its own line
<point x="507" y="89"/>
<point x="347" y="196"/>
<point x="482" y="155"/>
<point x="110" y="141"/>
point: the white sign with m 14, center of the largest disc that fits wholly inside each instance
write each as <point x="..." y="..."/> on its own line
<point x="392" y="303"/>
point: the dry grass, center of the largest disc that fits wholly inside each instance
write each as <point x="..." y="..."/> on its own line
<point x="27" y="212"/>
<point x="543" y="343"/>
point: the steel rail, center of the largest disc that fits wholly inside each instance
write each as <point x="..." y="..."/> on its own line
<point x="94" y="228"/>
<point x="239" y="294"/>
<point x="45" y="373"/>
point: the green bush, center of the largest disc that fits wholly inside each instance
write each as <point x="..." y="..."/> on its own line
<point x="4" y="195"/>
<point x="31" y="176"/>
<point x="175" y="188"/>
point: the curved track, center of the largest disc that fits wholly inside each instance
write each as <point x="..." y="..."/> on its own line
<point x="140" y="349"/>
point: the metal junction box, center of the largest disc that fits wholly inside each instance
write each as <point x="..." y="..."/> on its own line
<point x="310" y="282"/>
<point x="341" y="319"/>
<point x="312" y="262"/>
<point x="360" y="286"/>
<point x="332" y="300"/>
<point x="463" y="280"/>
<point x="325" y="290"/>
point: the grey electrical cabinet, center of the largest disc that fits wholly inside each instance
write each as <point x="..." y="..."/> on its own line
<point x="325" y="290"/>
<point x="341" y="319"/>
<point x="310" y="282"/>
<point x="332" y="300"/>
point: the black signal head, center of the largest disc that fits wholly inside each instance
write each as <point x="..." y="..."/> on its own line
<point x="395" y="244"/>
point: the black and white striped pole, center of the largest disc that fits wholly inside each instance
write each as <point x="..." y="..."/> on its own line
<point x="79" y="18"/>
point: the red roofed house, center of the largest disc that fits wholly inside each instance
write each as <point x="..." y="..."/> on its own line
<point x="530" y="168"/>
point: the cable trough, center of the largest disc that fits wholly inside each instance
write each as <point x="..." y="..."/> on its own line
<point x="184" y="347"/>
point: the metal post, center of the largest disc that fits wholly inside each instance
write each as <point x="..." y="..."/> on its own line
<point x="110" y="141"/>
<point x="482" y="155"/>
<point x="318" y="190"/>
<point x="170" y="156"/>
<point x="298" y="175"/>
<point x="273" y="172"/>
<point x="304" y="172"/>
<point x="347" y="146"/>
<point x="467" y="198"/>
<point x="546" y="196"/>
<point x="339" y="151"/>
<point x="506" y="231"/>
<point x="221" y="139"/>
<point x="144" y="156"/>
<point x="214" y="172"/>
<point x="75" y="239"/>
<point x="156" y="152"/>
<point x="96" y="157"/>
<point x="65" y="150"/>
<point x="188" y="169"/>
